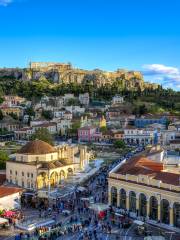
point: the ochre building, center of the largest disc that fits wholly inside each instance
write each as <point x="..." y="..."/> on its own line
<point x="38" y="165"/>
<point x="146" y="189"/>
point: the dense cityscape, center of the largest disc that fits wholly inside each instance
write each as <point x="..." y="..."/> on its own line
<point x="89" y="120"/>
<point x="78" y="165"/>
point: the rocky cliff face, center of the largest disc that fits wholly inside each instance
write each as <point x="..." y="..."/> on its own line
<point x="60" y="74"/>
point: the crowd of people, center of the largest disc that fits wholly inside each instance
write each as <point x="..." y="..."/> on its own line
<point x="80" y="218"/>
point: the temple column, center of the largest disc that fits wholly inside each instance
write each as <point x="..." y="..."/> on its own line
<point x="159" y="212"/>
<point x="137" y="204"/>
<point x="171" y="215"/>
<point x="109" y="197"/>
<point x="127" y="201"/>
<point x="148" y="207"/>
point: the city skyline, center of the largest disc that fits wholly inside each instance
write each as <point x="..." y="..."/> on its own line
<point x="135" y="35"/>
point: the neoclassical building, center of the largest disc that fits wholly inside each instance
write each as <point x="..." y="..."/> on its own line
<point x="38" y="165"/>
<point x="146" y="188"/>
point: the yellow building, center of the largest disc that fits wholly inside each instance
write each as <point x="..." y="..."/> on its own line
<point x="146" y="189"/>
<point x="102" y="122"/>
<point x="39" y="165"/>
<point x="12" y="110"/>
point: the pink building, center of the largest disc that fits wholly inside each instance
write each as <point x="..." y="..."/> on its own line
<point x="86" y="134"/>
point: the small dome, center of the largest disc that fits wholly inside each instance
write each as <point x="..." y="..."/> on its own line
<point x="37" y="147"/>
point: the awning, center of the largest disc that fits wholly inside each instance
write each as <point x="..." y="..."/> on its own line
<point x="3" y="221"/>
<point x="99" y="207"/>
<point x="81" y="189"/>
<point x="140" y="223"/>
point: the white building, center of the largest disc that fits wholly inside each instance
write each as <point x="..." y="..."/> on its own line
<point x="24" y="133"/>
<point x="117" y="99"/>
<point x="10" y="198"/>
<point x="63" y="125"/>
<point x="51" y="127"/>
<point x="84" y="98"/>
<point x="166" y="136"/>
<point x="139" y="136"/>
<point x="75" y="109"/>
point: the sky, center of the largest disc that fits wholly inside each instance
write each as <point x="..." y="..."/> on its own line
<point x="141" y="35"/>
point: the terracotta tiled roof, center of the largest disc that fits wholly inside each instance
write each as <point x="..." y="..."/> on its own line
<point x="52" y="165"/>
<point x="37" y="147"/>
<point x="143" y="166"/>
<point x="5" y="191"/>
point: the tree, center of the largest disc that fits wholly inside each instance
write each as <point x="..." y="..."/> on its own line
<point x="47" y="114"/>
<point x="44" y="135"/>
<point x="142" y="109"/>
<point x="73" y="102"/>
<point x="119" y="144"/>
<point x="1" y="115"/>
<point x="14" y="116"/>
<point x="3" y="158"/>
<point x="74" y="128"/>
<point x="103" y="129"/>
<point x="30" y="111"/>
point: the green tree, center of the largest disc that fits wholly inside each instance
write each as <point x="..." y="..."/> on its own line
<point x="3" y="158"/>
<point x="1" y="115"/>
<point x="44" y="135"/>
<point x="47" y="114"/>
<point x="72" y="102"/>
<point x="103" y="129"/>
<point x="30" y="111"/>
<point x="14" y="116"/>
<point x="119" y="144"/>
<point x="74" y="128"/>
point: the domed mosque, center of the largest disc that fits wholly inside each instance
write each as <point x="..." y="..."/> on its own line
<point x="38" y="165"/>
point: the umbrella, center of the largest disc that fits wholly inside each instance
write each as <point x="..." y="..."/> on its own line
<point x="8" y="214"/>
<point x="99" y="207"/>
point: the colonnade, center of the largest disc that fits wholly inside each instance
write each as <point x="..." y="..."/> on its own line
<point x="53" y="178"/>
<point x="151" y="207"/>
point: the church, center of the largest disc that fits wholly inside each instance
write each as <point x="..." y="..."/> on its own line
<point x="38" y="165"/>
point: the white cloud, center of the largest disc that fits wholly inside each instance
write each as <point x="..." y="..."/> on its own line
<point x="5" y="2"/>
<point x="166" y="75"/>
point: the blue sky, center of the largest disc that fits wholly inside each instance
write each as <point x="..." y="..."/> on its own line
<point x="109" y="34"/>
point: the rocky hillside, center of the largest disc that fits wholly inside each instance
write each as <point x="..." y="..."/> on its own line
<point x="65" y="73"/>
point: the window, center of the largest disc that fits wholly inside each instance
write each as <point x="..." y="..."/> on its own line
<point x="31" y="175"/>
<point x="28" y="174"/>
<point x="23" y="174"/>
<point x="21" y="158"/>
<point x="22" y="183"/>
<point x="16" y="173"/>
<point x="37" y="158"/>
<point x="10" y="171"/>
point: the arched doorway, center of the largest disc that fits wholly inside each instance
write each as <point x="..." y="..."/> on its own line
<point x="176" y="212"/>
<point x="132" y="201"/>
<point x="153" y="208"/>
<point x="114" y="196"/>
<point x="62" y="176"/>
<point x="142" y="205"/>
<point x="42" y="180"/>
<point x="70" y="172"/>
<point x="122" y="196"/>
<point x="165" y="211"/>
<point x="54" y="179"/>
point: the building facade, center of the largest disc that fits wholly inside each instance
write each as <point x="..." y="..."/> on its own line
<point x="140" y="136"/>
<point x="143" y="122"/>
<point x="146" y="189"/>
<point x="38" y="165"/>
